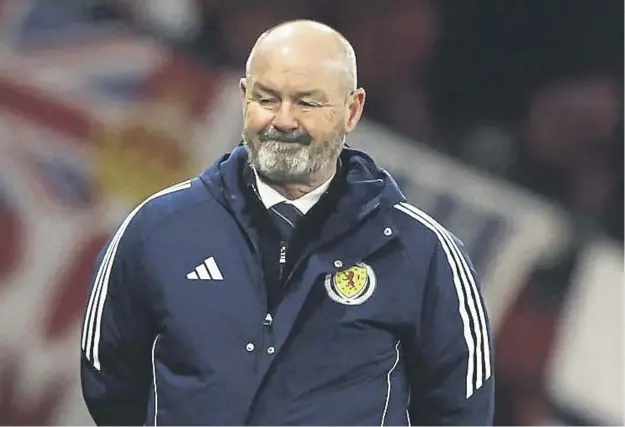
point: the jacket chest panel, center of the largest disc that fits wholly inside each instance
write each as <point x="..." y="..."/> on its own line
<point x="347" y="338"/>
<point x="346" y="318"/>
<point x="208" y="302"/>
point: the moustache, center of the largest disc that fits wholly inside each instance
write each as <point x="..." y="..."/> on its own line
<point x="286" y="137"/>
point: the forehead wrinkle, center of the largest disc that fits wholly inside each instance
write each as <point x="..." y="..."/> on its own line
<point x="297" y="77"/>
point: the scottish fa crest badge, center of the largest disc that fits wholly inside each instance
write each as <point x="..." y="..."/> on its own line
<point x="352" y="286"/>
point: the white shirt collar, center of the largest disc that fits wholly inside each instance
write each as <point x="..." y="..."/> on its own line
<point x="270" y="197"/>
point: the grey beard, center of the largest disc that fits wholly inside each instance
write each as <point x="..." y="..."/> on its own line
<point x="292" y="162"/>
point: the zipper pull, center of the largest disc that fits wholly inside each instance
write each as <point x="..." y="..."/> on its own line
<point x="282" y="259"/>
<point x="283" y="247"/>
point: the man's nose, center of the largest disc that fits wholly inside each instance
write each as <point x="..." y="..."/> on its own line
<point x="284" y="119"/>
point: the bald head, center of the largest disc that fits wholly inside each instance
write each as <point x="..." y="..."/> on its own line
<point x="305" y="40"/>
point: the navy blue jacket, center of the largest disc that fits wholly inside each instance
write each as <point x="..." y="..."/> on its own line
<point x="382" y="323"/>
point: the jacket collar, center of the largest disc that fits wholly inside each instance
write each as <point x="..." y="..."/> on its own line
<point x="359" y="189"/>
<point x="270" y="197"/>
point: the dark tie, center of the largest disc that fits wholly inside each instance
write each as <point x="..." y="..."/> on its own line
<point x="285" y="216"/>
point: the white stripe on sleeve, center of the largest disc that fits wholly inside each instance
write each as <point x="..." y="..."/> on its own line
<point x="478" y="363"/>
<point x="90" y="342"/>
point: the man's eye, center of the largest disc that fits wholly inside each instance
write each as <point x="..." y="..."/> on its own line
<point x="267" y="101"/>
<point x="307" y="104"/>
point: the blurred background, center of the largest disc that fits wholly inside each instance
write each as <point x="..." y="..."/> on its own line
<point x="503" y="119"/>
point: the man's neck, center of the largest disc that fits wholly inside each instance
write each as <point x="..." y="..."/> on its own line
<point x="293" y="191"/>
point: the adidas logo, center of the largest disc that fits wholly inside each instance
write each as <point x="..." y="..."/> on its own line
<point x="208" y="270"/>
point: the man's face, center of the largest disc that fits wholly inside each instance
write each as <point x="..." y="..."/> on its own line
<point x="296" y="117"/>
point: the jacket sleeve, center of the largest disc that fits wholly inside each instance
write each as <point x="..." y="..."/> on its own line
<point x="116" y="369"/>
<point x="450" y="361"/>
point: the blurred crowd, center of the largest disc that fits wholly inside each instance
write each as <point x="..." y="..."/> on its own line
<point x="528" y="90"/>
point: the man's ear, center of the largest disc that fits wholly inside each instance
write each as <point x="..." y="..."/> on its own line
<point x="356" y="105"/>
<point x="243" y="89"/>
<point x="243" y="86"/>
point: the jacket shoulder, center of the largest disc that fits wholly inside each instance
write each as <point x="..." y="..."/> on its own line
<point x="164" y="205"/>
<point x="420" y="230"/>
<point x="174" y="198"/>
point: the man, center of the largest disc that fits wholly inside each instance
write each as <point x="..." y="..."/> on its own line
<point x="290" y="283"/>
